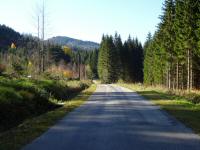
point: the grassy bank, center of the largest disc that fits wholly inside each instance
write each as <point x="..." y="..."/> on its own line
<point x="181" y="107"/>
<point x="16" y="138"/>
<point x="23" y="98"/>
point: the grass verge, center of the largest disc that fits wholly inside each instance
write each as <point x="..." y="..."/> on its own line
<point x="178" y="106"/>
<point x="16" y="138"/>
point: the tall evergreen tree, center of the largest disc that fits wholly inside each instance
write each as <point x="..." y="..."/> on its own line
<point x="167" y="28"/>
<point x="93" y="63"/>
<point x="174" y="48"/>
<point x="107" y="63"/>
<point x="119" y="47"/>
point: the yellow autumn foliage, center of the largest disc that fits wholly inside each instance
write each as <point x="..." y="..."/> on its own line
<point x="67" y="74"/>
<point x="29" y="64"/>
<point x="67" y="50"/>
<point x="61" y="72"/>
<point x="13" y="46"/>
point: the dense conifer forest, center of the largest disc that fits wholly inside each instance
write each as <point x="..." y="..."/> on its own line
<point x="120" y="61"/>
<point x="172" y="54"/>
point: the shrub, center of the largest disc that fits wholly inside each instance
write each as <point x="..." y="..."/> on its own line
<point x="2" y="68"/>
<point x="193" y="97"/>
<point x="57" y="89"/>
<point x="17" y="67"/>
<point x="58" y="73"/>
<point x="21" y="99"/>
<point x="25" y="98"/>
<point x="10" y="106"/>
<point x="68" y="74"/>
<point x="28" y="96"/>
<point x="196" y="99"/>
<point x="9" y="96"/>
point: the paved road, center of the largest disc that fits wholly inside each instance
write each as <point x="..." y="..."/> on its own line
<point x="115" y="118"/>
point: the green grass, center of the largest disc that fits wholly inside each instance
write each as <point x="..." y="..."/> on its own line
<point x="178" y="106"/>
<point x="16" y="138"/>
<point x="23" y="98"/>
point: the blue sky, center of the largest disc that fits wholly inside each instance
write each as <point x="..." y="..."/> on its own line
<point x="85" y="19"/>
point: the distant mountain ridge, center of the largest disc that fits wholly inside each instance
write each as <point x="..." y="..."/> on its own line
<point x="74" y="43"/>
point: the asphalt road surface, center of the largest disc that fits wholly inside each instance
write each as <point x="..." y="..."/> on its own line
<point x="115" y="118"/>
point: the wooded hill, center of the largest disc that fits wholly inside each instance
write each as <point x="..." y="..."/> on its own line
<point x="172" y="54"/>
<point x="8" y="36"/>
<point x="23" y="55"/>
<point x="74" y="44"/>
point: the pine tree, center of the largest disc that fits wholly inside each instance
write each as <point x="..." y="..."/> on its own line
<point x="93" y="63"/>
<point x="179" y="44"/>
<point x="119" y="52"/>
<point x="101" y="61"/>
<point x="107" y="63"/>
<point x="147" y="58"/>
<point x="167" y="29"/>
<point x="131" y="59"/>
<point x="174" y="47"/>
<point x="148" y="41"/>
<point x="190" y="43"/>
<point x="139" y="58"/>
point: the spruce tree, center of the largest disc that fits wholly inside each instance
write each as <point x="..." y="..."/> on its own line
<point x="119" y="53"/>
<point x="168" y="19"/>
<point x="175" y="46"/>
<point x="125" y="62"/>
<point x="93" y="63"/>
<point x="107" y="63"/>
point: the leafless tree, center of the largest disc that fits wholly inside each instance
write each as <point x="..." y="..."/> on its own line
<point x="41" y="15"/>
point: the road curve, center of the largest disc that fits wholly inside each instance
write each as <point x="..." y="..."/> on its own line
<point x="115" y="118"/>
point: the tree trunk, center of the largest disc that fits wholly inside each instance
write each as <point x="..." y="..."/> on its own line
<point x="191" y="72"/>
<point x="177" y="75"/>
<point x="169" y="86"/>
<point x="182" y="78"/>
<point x="43" y="56"/>
<point x="79" y="65"/>
<point x="167" y="83"/>
<point x="39" y="48"/>
<point x="188" y="70"/>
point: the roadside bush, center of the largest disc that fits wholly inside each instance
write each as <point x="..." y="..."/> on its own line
<point x="2" y="68"/>
<point x="193" y="97"/>
<point x="24" y="98"/>
<point x="21" y="99"/>
<point x="196" y="99"/>
<point x="57" y="90"/>
<point x="18" y="68"/>
<point x="27" y="96"/>
<point x="85" y="84"/>
<point x="9" y="96"/>
<point x="50" y="76"/>
<point x="10" y="102"/>
<point x="67" y="74"/>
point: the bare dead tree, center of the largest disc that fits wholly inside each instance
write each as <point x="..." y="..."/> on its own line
<point x="41" y="14"/>
<point x="43" y="34"/>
